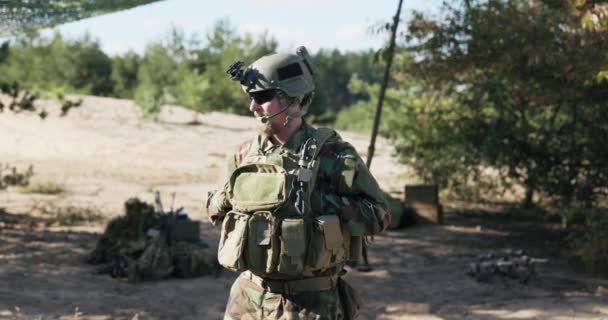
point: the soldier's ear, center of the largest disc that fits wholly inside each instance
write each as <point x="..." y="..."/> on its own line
<point x="297" y="105"/>
<point x="306" y="100"/>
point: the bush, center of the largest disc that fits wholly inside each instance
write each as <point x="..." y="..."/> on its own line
<point x="50" y="188"/>
<point x="58" y="64"/>
<point x="124" y="74"/>
<point x="592" y="245"/>
<point x="72" y="216"/>
<point x="10" y="176"/>
<point x="358" y="117"/>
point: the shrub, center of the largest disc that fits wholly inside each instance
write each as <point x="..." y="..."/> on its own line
<point x="51" y="188"/>
<point x="10" y="176"/>
<point x="358" y="117"/>
<point x="71" y="216"/>
<point x="592" y="245"/>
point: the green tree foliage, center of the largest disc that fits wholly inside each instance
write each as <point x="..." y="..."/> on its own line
<point x="335" y="70"/>
<point x="58" y="65"/>
<point x="17" y="16"/>
<point x="528" y="88"/>
<point x="592" y="244"/>
<point x="90" y="69"/>
<point x="359" y="116"/>
<point x="158" y="76"/>
<point x="125" y="68"/>
<point x="224" y="47"/>
<point x="422" y="123"/>
<point x="182" y="71"/>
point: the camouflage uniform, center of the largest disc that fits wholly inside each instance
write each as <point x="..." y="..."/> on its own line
<point x="345" y="188"/>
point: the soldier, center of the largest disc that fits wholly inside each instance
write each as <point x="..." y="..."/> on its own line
<point x="295" y="204"/>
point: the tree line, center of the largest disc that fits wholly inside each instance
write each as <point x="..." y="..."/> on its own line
<point x="181" y="69"/>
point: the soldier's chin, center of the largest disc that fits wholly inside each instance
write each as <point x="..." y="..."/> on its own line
<point x="266" y="128"/>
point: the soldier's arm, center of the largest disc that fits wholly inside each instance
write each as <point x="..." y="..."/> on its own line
<point x="353" y="194"/>
<point x="217" y="200"/>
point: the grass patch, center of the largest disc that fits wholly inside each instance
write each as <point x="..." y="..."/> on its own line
<point x="217" y="154"/>
<point x="70" y="215"/>
<point x="73" y="216"/>
<point x="51" y="188"/>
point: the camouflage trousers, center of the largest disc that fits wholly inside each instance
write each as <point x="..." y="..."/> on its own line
<point x="249" y="301"/>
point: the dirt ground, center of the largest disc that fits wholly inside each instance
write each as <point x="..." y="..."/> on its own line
<point x="104" y="153"/>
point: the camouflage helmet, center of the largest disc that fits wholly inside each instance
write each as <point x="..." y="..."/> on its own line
<point x="290" y="73"/>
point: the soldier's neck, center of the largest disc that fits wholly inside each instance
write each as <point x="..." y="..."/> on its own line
<point x="285" y="133"/>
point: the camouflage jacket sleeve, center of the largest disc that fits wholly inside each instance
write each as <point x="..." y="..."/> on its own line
<point x="217" y="200"/>
<point x="345" y="187"/>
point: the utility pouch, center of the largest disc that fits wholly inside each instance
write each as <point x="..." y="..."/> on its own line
<point x="230" y="253"/>
<point x="257" y="186"/>
<point x="350" y="300"/>
<point x="293" y="246"/>
<point x="260" y="243"/>
<point x="326" y="244"/>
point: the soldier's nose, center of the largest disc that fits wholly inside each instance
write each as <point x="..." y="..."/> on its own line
<point x="254" y="106"/>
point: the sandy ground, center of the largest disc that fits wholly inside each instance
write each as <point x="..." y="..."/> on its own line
<point x="104" y="153"/>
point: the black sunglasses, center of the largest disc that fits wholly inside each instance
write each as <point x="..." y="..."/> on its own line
<point x="262" y="96"/>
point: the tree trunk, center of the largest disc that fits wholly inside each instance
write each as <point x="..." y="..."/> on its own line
<point x="529" y="199"/>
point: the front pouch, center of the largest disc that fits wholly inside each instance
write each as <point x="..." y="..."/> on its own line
<point x="257" y="186"/>
<point x="350" y="300"/>
<point x="233" y="238"/>
<point x="260" y="243"/>
<point x="326" y="247"/>
<point x="293" y="246"/>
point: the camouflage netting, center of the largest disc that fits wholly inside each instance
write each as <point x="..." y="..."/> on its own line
<point x="136" y="246"/>
<point x="18" y="16"/>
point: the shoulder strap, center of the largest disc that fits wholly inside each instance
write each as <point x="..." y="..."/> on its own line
<point x="309" y="158"/>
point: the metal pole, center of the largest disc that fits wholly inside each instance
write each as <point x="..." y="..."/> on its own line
<point x="365" y="267"/>
<point x="389" y="62"/>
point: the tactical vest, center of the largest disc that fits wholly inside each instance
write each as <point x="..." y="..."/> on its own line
<point x="271" y="229"/>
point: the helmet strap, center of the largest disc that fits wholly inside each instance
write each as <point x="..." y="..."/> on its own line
<point x="286" y="102"/>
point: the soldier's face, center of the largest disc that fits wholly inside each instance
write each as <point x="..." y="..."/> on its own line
<point x="266" y="105"/>
<point x="260" y="106"/>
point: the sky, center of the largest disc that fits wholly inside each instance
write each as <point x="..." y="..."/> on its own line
<point x="341" y="24"/>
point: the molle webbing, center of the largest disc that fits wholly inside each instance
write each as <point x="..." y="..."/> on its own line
<point x="319" y="137"/>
